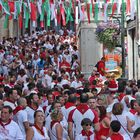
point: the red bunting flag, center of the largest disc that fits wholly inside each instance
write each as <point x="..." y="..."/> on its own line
<point x="20" y="20"/>
<point x="62" y="11"/>
<point x="0" y="7"/>
<point x="11" y="8"/>
<point x="114" y="8"/>
<point x="128" y="7"/>
<point x="42" y="24"/>
<point x="51" y="1"/>
<point x="58" y="17"/>
<point x="33" y="11"/>
<point x="92" y="7"/>
<point x="88" y="12"/>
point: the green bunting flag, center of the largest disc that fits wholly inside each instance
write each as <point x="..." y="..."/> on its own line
<point x="5" y="5"/>
<point x="68" y="12"/>
<point x="48" y="13"/>
<point x="27" y="16"/>
<point x="96" y="12"/>
<point x="64" y="10"/>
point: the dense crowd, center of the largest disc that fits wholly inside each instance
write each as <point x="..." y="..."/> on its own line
<point x="44" y="95"/>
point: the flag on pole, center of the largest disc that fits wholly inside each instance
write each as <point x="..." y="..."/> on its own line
<point x="88" y="12"/>
<point x="26" y="15"/>
<point x="114" y="7"/>
<point x="128" y="7"/>
<point x="11" y="8"/>
<point x="96" y="12"/>
<point x="48" y="12"/>
<point x="62" y="11"/>
<point x="5" y="7"/>
<point x="33" y="11"/>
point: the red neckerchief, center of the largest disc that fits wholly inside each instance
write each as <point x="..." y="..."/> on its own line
<point x="82" y="108"/>
<point x="121" y="96"/>
<point x="17" y="109"/>
<point x="3" y="125"/>
<point x="11" y="84"/>
<point x="40" y="130"/>
<point x="32" y="107"/>
<point x="53" y="122"/>
<point x="68" y="105"/>
<point x="87" y="134"/>
<point x="9" y="100"/>
<point x="133" y="111"/>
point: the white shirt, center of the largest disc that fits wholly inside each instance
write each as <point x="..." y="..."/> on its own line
<point x="11" y="132"/>
<point x="65" y="82"/>
<point x="109" y="107"/>
<point x="48" y="80"/>
<point x="66" y="111"/>
<point x="38" y="136"/>
<point x="48" y="120"/>
<point x="81" y="137"/>
<point x="122" y="119"/>
<point x="21" y="117"/>
<point x="30" y="113"/>
<point x="137" y="121"/>
<point x="53" y="134"/>
<point x="76" y="84"/>
<point x="23" y="78"/>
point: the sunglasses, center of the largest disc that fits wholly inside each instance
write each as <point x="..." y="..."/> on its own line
<point x="88" y="124"/>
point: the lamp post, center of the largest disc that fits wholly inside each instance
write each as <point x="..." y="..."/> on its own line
<point x="122" y="44"/>
<point x="122" y="31"/>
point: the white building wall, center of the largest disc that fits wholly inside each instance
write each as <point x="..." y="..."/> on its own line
<point x="3" y="32"/>
<point x="138" y="43"/>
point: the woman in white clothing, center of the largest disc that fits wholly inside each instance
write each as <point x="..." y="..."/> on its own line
<point x="121" y="116"/>
<point x="38" y="131"/>
<point x="56" y="131"/>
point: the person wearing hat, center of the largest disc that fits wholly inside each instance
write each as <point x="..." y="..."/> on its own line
<point x="86" y="132"/>
<point x="113" y="86"/>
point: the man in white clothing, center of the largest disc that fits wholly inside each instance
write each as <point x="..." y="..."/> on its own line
<point x="12" y="98"/>
<point x="32" y="107"/>
<point x="20" y="115"/>
<point x="9" y="130"/>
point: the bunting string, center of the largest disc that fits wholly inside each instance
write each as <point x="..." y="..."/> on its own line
<point x="64" y="11"/>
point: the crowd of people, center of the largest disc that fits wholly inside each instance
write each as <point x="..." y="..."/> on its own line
<point x="44" y="95"/>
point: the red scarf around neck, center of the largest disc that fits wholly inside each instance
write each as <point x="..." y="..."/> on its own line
<point x="33" y="108"/>
<point x="4" y="124"/>
<point x="82" y="108"/>
<point x="40" y="130"/>
<point x="17" y="109"/>
<point x="87" y="134"/>
<point x="9" y="100"/>
<point x="69" y="104"/>
<point x="53" y="122"/>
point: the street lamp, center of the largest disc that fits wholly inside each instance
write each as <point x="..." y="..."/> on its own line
<point x="122" y="31"/>
<point x="139" y="50"/>
<point x="122" y="44"/>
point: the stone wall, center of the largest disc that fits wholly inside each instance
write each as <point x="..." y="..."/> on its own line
<point x="3" y="32"/>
